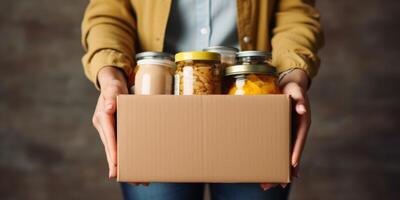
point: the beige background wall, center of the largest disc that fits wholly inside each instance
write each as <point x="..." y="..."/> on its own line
<point x="49" y="150"/>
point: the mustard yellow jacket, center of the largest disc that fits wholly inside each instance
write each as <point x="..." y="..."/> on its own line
<point x="113" y="31"/>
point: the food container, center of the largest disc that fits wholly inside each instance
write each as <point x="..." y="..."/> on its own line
<point x="228" y="55"/>
<point x="250" y="80"/>
<point x="228" y="58"/>
<point x="253" y="57"/>
<point x="197" y="73"/>
<point x="154" y="73"/>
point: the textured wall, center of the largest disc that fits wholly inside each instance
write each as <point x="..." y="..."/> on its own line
<point x="49" y="150"/>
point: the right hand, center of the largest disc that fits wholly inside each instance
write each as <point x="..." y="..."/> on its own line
<point x="112" y="83"/>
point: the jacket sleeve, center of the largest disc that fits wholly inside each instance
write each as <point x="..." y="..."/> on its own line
<point x="297" y="36"/>
<point x="108" y="37"/>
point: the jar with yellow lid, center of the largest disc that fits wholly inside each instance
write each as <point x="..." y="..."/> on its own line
<point x="251" y="80"/>
<point x="197" y="73"/>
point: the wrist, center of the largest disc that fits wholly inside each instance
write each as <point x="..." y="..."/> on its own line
<point x="297" y="76"/>
<point x="111" y="75"/>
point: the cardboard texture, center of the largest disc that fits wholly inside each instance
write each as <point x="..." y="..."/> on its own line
<point x="210" y="138"/>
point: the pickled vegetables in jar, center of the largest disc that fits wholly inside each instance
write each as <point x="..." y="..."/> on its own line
<point x="250" y="80"/>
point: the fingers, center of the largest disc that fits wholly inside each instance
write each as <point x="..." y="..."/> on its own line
<point x="107" y="125"/>
<point x="138" y="184"/>
<point x="98" y="120"/>
<point x="295" y="172"/>
<point x="104" y="123"/>
<point x="107" y="150"/>
<point x="267" y="186"/>
<point x="106" y="118"/>
<point x="298" y="95"/>
<point x="112" y="83"/>
<point x="301" y="135"/>
<point x="301" y="108"/>
<point x="109" y="94"/>
<point x="303" y="121"/>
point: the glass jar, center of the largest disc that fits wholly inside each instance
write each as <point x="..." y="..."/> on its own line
<point x="253" y="57"/>
<point x="197" y="73"/>
<point x="154" y="73"/>
<point x="228" y="58"/>
<point x="251" y="80"/>
<point x="228" y="54"/>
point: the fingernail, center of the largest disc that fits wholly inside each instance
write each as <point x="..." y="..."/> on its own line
<point x="265" y="187"/>
<point x="301" y="109"/>
<point x="109" y="106"/>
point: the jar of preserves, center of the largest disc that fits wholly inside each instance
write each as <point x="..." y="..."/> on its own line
<point x="251" y="80"/>
<point x="197" y="73"/>
<point x="253" y="57"/>
<point x="154" y="73"/>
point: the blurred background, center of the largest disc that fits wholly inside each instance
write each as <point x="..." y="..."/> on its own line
<point x="49" y="150"/>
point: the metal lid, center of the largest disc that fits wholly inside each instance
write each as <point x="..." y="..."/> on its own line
<point x="154" y="55"/>
<point x="253" y="54"/>
<point x="250" y="69"/>
<point x="221" y="48"/>
<point x="197" y="55"/>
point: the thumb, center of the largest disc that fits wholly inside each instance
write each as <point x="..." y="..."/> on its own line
<point x="109" y="107"/>
<point x="297" y="93"/>
<point x="110" y="94"/>
<point x="301" y="108"/>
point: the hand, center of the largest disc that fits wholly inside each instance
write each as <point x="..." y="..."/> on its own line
<point x="112" y="83"/>
<point x="295" y="84"/>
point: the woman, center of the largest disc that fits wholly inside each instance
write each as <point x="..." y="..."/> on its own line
<point x="113" y="31"/>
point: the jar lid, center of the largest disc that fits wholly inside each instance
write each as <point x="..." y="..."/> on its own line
<point x="253" y="54"/>
<point x="250" y="69"/>
<point x="221" y="49"/>
<point x="154" y="55"/>
<point x="197" y="55"/>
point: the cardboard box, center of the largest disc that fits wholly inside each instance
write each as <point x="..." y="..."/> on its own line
<point x="210" y="138"/>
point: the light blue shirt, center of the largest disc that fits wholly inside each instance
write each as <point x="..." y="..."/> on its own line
<point x="196" y="24"/>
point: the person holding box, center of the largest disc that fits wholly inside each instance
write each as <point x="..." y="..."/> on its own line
<point x="113" y="31"/>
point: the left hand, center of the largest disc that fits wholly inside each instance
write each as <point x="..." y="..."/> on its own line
<point x="296" y="84"/>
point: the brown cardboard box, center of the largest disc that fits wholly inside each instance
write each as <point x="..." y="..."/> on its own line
<point x="210" y="138"/>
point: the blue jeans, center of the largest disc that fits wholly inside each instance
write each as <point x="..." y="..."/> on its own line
<point x="194" y="191"/>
